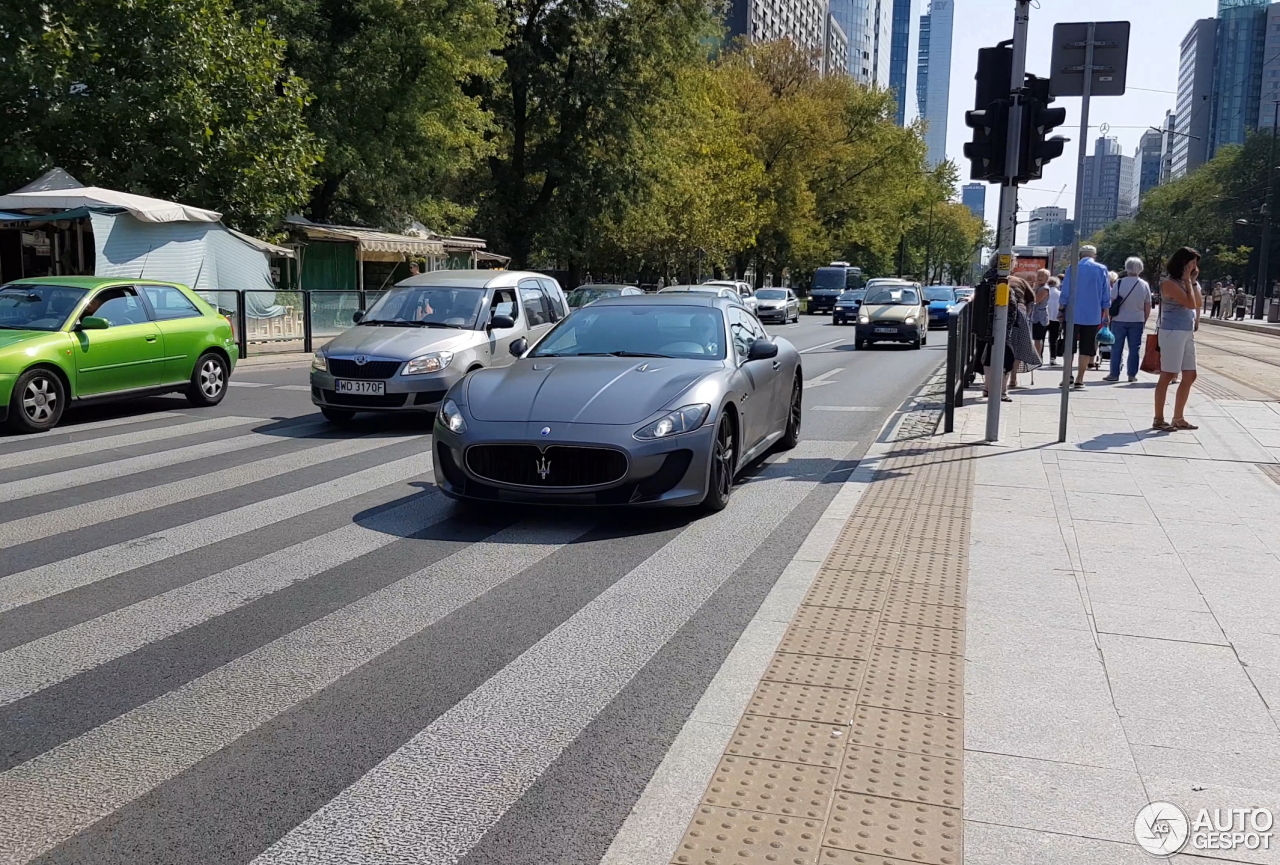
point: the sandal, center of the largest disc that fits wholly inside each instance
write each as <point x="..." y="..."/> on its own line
<point x="1182" y="423"/>
<point x="1161" y="424"/>
<point x="1006" y="399"/>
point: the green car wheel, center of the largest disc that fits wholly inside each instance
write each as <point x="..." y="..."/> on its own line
<point x="37" y="402"/>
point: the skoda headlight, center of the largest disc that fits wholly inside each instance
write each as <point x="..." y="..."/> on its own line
<point x="318" y="362"/>
<point x="450" y="417"/>
<point x="426" y="363"/>
<point x="682" y="420"/>
<point x="864" y="320"/>
<point x="911" y="319"/>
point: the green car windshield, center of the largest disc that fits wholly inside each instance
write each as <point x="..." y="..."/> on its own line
<point x="37" y="307"/>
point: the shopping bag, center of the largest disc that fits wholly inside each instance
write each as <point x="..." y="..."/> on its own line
<point x="1151" y="357"/>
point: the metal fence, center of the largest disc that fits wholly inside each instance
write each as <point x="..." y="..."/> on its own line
<point x="265" y="322"/>
<point x="961" y="360"/>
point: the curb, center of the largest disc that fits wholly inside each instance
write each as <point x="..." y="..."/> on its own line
<point x="1252" y="327"/>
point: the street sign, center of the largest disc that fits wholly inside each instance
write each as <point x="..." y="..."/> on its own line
<point x="1110" y="58"/>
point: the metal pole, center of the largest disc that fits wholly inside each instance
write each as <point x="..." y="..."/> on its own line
<point x="1073" y="277"/>
<point x="1264" y="281"/>
<point x="1008" y="220"/>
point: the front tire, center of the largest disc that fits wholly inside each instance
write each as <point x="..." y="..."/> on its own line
<point x="724" y="458"/>
<point x="795" y="411"/>
<point x="37" y="402"/>
<point x="208" y="381"/>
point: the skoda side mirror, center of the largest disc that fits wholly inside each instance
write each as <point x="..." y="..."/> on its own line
<point x="502" y="321"/>
<point x="762" y="349"/>
<point x="357" y="316"/>
<point x="92" y="322"/>
<point x="519" y="347"/>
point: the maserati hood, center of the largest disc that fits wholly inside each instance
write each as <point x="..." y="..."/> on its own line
<point x="399" y="343"/>
<point x="596" y="390"/>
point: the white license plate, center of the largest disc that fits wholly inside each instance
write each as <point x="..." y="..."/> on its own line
<point x="373" y="388"/>
<point x="886" y="330"/>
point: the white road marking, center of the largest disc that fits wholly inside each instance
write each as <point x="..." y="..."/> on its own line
<point x="293" y="387"/>
<point x="843" y="407"/>
<point x="820" y="380"/>
<point x="248" y="384"/>
<point x="102" y="445"/>
<point x="824" y="345"/>
<point x="71" y="429"/>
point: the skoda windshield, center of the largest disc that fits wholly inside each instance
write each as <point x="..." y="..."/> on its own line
<point x="37" y="307"/>
<point x="637" y="331"/>
<point x="426" y="306"/>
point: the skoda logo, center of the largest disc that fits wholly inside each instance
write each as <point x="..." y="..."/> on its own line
<point x="361" y="360"/>
<point x="546" y="431"/>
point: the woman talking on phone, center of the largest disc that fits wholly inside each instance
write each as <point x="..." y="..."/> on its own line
<point x="1180" y="303"/>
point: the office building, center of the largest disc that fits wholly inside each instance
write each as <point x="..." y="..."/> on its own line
<point x="1109" y="187"/>
<point x="1270" y="100"/>
<point x="1049" y="226"/>
<point x="1148" y="157"/>
<point x="974" y="196"/>
<point x="1237" y="74"/>
<point x="933" y="83"/>
<point x="902" y="49"/>
<point x="836" y="54"/>
<point x="1195" y="98"/>
<point x="868" y="25"/>
<point x="1166" y="146"/>
<point x="803" y="22"/>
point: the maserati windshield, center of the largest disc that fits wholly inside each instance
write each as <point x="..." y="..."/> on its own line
<point x="426" y="306"/>
<point x="637" y="331"/>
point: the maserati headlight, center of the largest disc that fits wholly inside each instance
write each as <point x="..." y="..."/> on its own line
<point x="911" y="319"/>
<point x="864" y="320"/>
<point x="318" y="362"/>
<point x="425" y="363"/>
<point x="682" y="420"/>
<point x="450" y="417"/>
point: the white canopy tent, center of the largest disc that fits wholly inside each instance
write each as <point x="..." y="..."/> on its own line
<point x="140" y="207"/>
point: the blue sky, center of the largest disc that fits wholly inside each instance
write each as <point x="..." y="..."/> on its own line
<point x="1157" y="31"/>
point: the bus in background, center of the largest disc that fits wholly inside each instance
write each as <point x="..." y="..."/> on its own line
<point x="828" y="282"/>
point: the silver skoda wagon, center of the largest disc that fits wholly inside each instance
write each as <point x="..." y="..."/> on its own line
<point x="426" y="333"/>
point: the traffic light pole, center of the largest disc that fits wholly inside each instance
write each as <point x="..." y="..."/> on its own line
<point x="994" y="374"/>
<point x="1073" y="276"/>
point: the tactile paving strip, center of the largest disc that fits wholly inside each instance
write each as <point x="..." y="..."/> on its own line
<point x="719" y="835"/>
<point x="815" y="670"/>
<point x="849" y="752"/>
<point x="908" y="831"/>
<point x="793" y="741"/>
<point x="790" y="789"/>
<point x="902" y="775"/>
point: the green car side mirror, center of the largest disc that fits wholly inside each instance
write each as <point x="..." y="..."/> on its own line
<point x="92" y="322"/>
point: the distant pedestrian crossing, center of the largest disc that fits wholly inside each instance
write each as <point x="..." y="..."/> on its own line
<point x="234" y="639"/>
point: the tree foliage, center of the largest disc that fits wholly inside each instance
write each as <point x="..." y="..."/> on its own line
<point x="173" y="98"/>
<point x="390" y="81"/>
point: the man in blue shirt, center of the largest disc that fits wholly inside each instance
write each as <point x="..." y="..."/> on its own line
<point x="1093" y="308"/>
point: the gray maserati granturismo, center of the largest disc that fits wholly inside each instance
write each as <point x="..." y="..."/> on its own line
<point x="645" y="401"/>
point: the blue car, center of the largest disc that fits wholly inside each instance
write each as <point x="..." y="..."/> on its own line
<point x="940" y="299"/>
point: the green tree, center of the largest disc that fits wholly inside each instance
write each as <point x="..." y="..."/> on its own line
<point x="178" y="99"/>
<point x="390" y="80"/>
<point x="582" y="83"/>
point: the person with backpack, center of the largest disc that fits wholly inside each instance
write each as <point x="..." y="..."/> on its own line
<point x="1130" y="309"/>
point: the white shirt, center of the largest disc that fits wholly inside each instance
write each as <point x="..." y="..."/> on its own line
<point x="1136" y="294"/>
<point x="1055" y="294"/>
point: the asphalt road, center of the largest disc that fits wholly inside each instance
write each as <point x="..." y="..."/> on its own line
<point x="240" y="635"/>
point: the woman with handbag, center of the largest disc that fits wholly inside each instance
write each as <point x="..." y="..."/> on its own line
<point x="1130" y="309"/>
<point x="1180" y="303"/>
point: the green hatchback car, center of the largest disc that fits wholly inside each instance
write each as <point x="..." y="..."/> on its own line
<point x="86" y="339"/>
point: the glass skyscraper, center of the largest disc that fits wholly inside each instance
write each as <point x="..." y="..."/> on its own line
<point x="933" y="85"/>
<point x="904" y="15"/>
<point x="1237" y="74"/>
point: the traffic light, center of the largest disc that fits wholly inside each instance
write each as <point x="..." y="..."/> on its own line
<point x="987" y="151"/>
<point x="1038" y="121"/>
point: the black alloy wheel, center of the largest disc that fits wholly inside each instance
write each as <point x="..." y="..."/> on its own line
<point x="723" y="459"/>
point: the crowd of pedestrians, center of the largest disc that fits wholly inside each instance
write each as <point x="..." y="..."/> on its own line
<point x="1114" y="310"/>
<point x="1226" y="300"/>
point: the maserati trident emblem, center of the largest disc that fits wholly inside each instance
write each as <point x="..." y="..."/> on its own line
<point x="361" y="360"/>
<point x="543" y="467"/>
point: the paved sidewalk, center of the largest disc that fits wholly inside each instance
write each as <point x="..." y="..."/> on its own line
<point x="1123" y="623"/>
